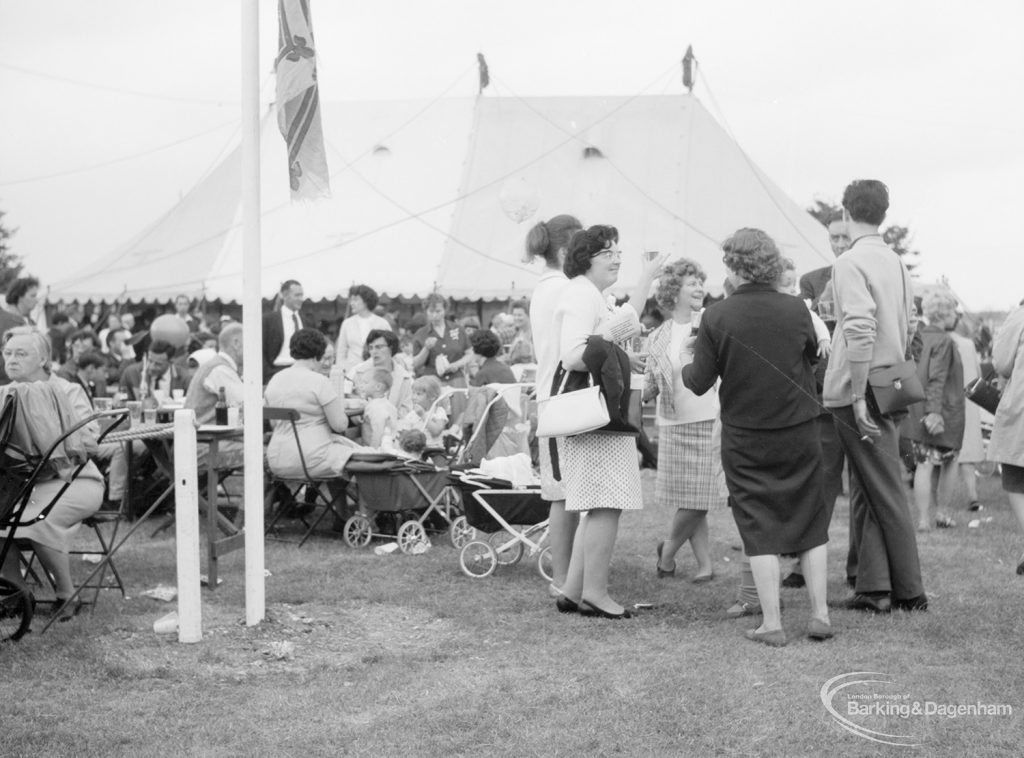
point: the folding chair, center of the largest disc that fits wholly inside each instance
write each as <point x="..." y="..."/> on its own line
<point x="97" y="522"/>
<point x="294" y="484"/>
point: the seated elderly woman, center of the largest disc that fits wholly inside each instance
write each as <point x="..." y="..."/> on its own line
<point x="49" y="404"/>
<point x="383" y="347"/>
<point x="322" y="417"/>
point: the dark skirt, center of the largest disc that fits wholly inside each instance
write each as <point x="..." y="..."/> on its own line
<point x="776" y="488"/>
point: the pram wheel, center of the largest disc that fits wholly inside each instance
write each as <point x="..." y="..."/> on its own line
<point x="16" y="608"/>
<point x="460" y="532"/>
<point x="411" y="536"/>
<point x="507" y="550"/>
<point x="478" y="559"/>
<point x="357" y="531"/>
<point x="544" y="564"/>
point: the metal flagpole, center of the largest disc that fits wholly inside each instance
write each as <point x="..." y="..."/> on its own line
<point x="252" y="315"/>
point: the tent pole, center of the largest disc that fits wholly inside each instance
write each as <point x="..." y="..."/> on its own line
<point x="252" y="312"/>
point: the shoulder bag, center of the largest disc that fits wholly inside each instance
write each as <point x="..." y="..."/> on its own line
<point x="571" y="411"/>
<point x="984" y="392"/>
<point x="896" y="388"/>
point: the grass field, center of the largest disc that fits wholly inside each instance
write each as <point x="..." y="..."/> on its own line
<point x="399" y="655"/>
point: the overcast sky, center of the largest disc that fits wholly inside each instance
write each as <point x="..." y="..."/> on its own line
<point x="923" y="95"/>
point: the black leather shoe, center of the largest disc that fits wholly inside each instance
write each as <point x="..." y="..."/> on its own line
<point x="871" y="603"/>
<point x="65" y="612"/>
<point x="589" y="609"/>
<point x="794" y="580"/>
<point x="565" y="605"/>
<point x="919" y="603"/>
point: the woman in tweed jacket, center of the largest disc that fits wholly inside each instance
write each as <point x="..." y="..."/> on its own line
<point x="689" y="463"/>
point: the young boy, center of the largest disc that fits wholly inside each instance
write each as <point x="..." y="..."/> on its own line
<point x="379" y="415"/>
<point x="787" y="285"/>
<point x="427" y="415"/>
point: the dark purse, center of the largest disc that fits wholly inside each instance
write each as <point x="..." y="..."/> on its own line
<point x="895" y="388"/>
<point x="984" y="392"/>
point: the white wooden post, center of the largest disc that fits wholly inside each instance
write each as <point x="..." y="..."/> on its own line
<point x="186" y="506"/>
<point x="252" y="316"/>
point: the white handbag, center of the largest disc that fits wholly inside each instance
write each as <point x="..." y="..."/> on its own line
<point x="565" y="414"/>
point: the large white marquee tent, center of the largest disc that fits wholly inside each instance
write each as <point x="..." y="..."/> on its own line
<point x="439" y="195"/>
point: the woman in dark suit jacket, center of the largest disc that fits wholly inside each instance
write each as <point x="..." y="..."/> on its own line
<point x="761" y="343"/>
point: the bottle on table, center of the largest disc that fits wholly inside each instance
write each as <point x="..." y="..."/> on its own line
<point x="220" y="410"/>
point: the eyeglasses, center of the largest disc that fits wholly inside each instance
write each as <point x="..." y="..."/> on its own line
<point x="378" y="346"/>
<point x="609" y="254"/>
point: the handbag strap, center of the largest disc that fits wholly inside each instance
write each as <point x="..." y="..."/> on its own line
<point x="565" y="378"/>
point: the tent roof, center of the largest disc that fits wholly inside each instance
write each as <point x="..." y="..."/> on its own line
<point x="441" y="194"/>
<point x="660" y="169"/>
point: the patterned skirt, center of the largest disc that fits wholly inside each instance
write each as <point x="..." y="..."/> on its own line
<point x="600" y="471"/>
<point x="689" y="467"/>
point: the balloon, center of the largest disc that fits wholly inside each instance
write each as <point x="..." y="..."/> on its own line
<point x="518" y="199"/>
<point x="169" y="328"/>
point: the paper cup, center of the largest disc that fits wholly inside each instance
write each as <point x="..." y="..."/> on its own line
<point x="166" y="624"/>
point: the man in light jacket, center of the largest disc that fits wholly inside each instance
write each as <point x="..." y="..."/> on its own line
<point x="874" y="326"/>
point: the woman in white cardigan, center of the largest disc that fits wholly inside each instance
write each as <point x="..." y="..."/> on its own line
<point x="357" y="327"/>
<point x="549" y="241"/>
<point x="600" y="471"/>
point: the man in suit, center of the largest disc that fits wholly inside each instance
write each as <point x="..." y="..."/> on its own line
<point x="816" y="286"/>
<point x="160" y="373"/>
<point x="120" y="354"/>
<point x="279" y="326"/>
<point x="79" y="342"/>
<point x="90" y="374"/>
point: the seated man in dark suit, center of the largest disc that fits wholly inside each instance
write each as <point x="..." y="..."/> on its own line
<point x="120" y="354"/>
<point x="79" y="342"/>
<point x="279" y="326"/>
<point x="159" y="374"/>
<point x="91" y="375"/>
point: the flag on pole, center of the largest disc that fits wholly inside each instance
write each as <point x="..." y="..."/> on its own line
<point x="688" y="60"/>
<point x="485" y="74"/>
<point x="298" y="101"/>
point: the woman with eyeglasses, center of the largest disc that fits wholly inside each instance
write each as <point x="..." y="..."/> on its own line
<point x="47" y="406"/>
<point x="382" y="345"/>
<point x="600" y="472"/>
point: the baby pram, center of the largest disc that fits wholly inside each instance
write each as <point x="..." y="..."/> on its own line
<point x="516" y="519"/>
<point x="414" y="496"/>
<point x="400" y="499"/>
